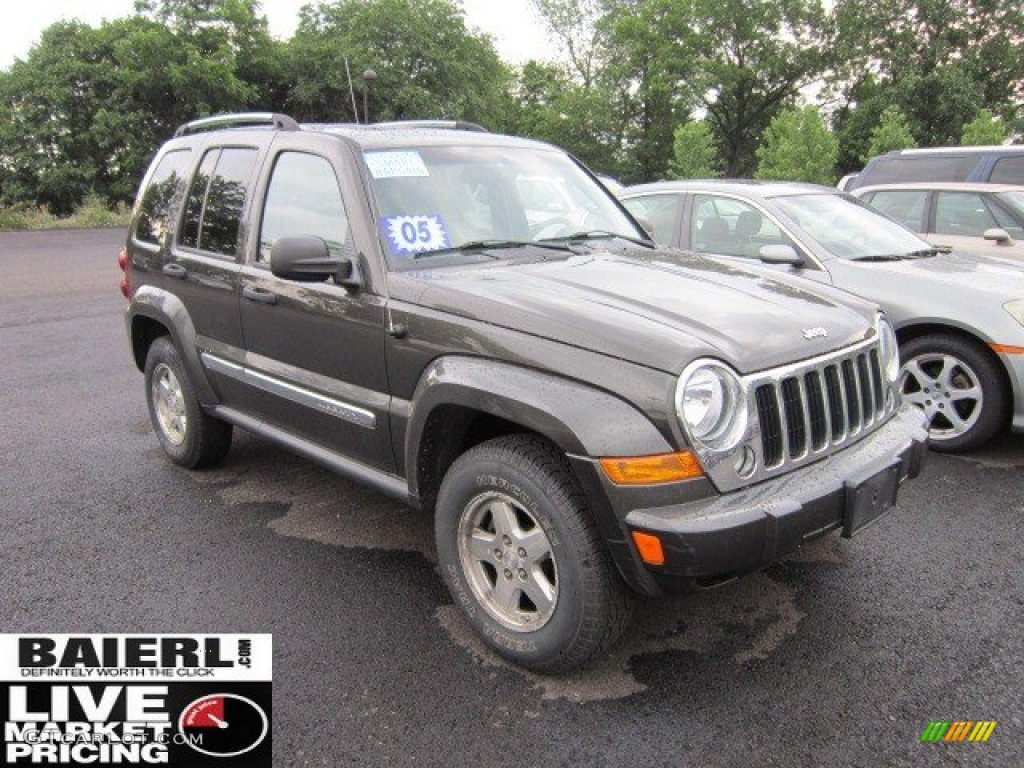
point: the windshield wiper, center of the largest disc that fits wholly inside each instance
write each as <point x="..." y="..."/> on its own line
<point x="483" y="246"/>
<point x="881" y="257"/>
<point x="600" y="234"/>
<point x="926" y="252"/>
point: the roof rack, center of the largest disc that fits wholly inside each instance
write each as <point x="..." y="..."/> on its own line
<point x="451" y="125"/>
<point x="275" y="120"/>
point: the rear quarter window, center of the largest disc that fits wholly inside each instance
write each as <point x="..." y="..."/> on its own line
<point x="158" y="198"/>
<point x="1008" y="170"/>
<point x="892" y="170"/>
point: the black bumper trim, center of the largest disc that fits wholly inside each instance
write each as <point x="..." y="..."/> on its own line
<point x="714" y="539"/>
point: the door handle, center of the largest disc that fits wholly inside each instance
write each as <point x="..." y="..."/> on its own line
<point x="175" y="270"/>
<point x="258" y="294"/>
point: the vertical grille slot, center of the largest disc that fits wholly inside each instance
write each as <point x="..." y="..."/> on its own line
<point x="771" y="424"/>
<point x="793" y="407"/>
<point x="836" y="408"/>
<point x="876" y="382"/>
<point x="851" y="396"/>
<point x="816" y="410"/>
<point x="867" y="395"/>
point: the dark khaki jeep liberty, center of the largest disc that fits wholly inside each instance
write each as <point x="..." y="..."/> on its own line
<point x="473" y="325"/>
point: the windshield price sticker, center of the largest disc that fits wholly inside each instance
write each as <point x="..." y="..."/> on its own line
<point x="184" y="700"/>
<point x="408" y="235"/>
<point x="395" y="165"/>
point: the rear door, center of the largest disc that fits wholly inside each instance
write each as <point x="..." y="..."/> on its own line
<point x="315" y="362"/>
<point x="202" y="268"/>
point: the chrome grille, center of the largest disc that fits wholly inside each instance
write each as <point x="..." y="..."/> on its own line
<point x="810" y="408"/>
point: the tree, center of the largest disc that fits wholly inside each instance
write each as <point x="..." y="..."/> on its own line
<point x="939" y="61"/>
<point x="798" y="147"/>
<point x="983" y="129"/>
<point x="892" y="132"/>
<point x="427" y="64"/>
<point x="693" y="152"/>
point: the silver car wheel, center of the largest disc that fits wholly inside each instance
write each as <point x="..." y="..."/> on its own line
<point x="947" y="389"/>
<point x="169" y="402"/>
<point x="506" y="556"/>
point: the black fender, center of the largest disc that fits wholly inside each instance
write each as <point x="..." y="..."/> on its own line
<point x="581" y="420"/>
<point x="168" y="310"/>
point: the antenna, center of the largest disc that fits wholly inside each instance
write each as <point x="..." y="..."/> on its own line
<point x="351" y="90"/>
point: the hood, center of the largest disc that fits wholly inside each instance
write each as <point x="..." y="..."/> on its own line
<point x="962" y="272"/>
<point x="661" y="314"/>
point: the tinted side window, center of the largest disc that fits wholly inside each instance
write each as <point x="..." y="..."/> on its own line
<point x="216" y="198"/>
<point x="155" y="206"/>
<point x="906" y="206"/>
<point x="890" y="170"/>
<point x="1009" y="170"/>
<point x="961" y="213"/>
<point x="304" y="199"/>
<point x="659" y="212"/>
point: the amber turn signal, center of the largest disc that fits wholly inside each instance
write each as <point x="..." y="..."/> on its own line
<point x="648" y="470"/>
<point x="649" y="547"/>
<point x="1007" y="349"/>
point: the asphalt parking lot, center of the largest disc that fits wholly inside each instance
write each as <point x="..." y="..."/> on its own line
<point x="839" y="655"/>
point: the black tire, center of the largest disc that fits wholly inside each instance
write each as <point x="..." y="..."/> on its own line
<point x="189" y="435"/>
<point x="522" y="484"/>
<point x="959" y="386"/>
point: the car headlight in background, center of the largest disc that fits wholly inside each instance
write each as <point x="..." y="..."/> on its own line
<point x="711" y="403"/>
<point x="888" y="350"/>
<point x="1016" y="309"/>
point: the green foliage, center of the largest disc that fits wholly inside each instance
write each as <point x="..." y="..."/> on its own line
<point x="93" y="212"/>
<point x="892" y="132"/>
<point x="693" y="152"/>
<point x="938" y="61"/>
<point x="798" y="147"/>
<point x="427" y="63"/>
<point x="983" y="129"/>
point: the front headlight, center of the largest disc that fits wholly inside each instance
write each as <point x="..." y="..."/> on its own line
<point x="711" y="404"/>
<point x="1016" y="309"/>
<point x="888" y="350"/>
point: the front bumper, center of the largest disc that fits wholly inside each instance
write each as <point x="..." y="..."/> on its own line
<point x="1015" y="370"/>
<point x="709" y="540"/>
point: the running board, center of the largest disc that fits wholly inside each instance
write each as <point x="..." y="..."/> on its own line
<point x="386" y="483"/>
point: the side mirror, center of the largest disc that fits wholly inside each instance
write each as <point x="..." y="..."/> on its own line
<point x="1000" y="236"/>
<point x="306" y="259"/>
<point x="780" y="254"/>
<point x="646" y="223"/>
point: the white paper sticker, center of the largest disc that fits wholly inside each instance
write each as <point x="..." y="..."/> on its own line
<point x="396" y="164"/>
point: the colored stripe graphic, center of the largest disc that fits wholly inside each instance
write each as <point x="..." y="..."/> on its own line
<point x="958" y="730"/>
<point x="982" y="730"/>
<point x="935" y="731"/>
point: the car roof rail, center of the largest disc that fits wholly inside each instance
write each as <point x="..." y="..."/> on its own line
<point x="451" y="125"/>
<point x="274" y="120"/>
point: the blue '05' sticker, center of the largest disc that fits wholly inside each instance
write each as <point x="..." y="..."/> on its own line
<point x="408" y="235"/>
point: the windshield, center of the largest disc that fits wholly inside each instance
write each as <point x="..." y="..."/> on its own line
<point x="849" y="228"/>
<point x="434" y="200"/>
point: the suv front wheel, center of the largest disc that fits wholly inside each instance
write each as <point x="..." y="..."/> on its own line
<point x="523" y="559"/>
<point x="190" y="436"/>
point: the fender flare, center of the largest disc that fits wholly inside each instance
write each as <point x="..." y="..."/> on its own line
<point x="168" y="310"/>
<point x="581" y="420"/>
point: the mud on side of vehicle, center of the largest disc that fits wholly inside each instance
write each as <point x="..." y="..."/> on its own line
<point x="585" y="424"/>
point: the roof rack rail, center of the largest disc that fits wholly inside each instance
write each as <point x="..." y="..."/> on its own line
<point x="274" y="119"/>
<point x="451" y="125"/>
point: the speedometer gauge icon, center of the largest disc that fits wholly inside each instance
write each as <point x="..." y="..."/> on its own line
<point x="223" y="724"/>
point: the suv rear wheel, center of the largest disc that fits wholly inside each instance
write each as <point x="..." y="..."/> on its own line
<point x="523" y="559"/>
<point x="190" y="436"/>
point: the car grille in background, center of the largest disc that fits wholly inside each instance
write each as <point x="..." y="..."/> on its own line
<point x="819" y="405"/>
